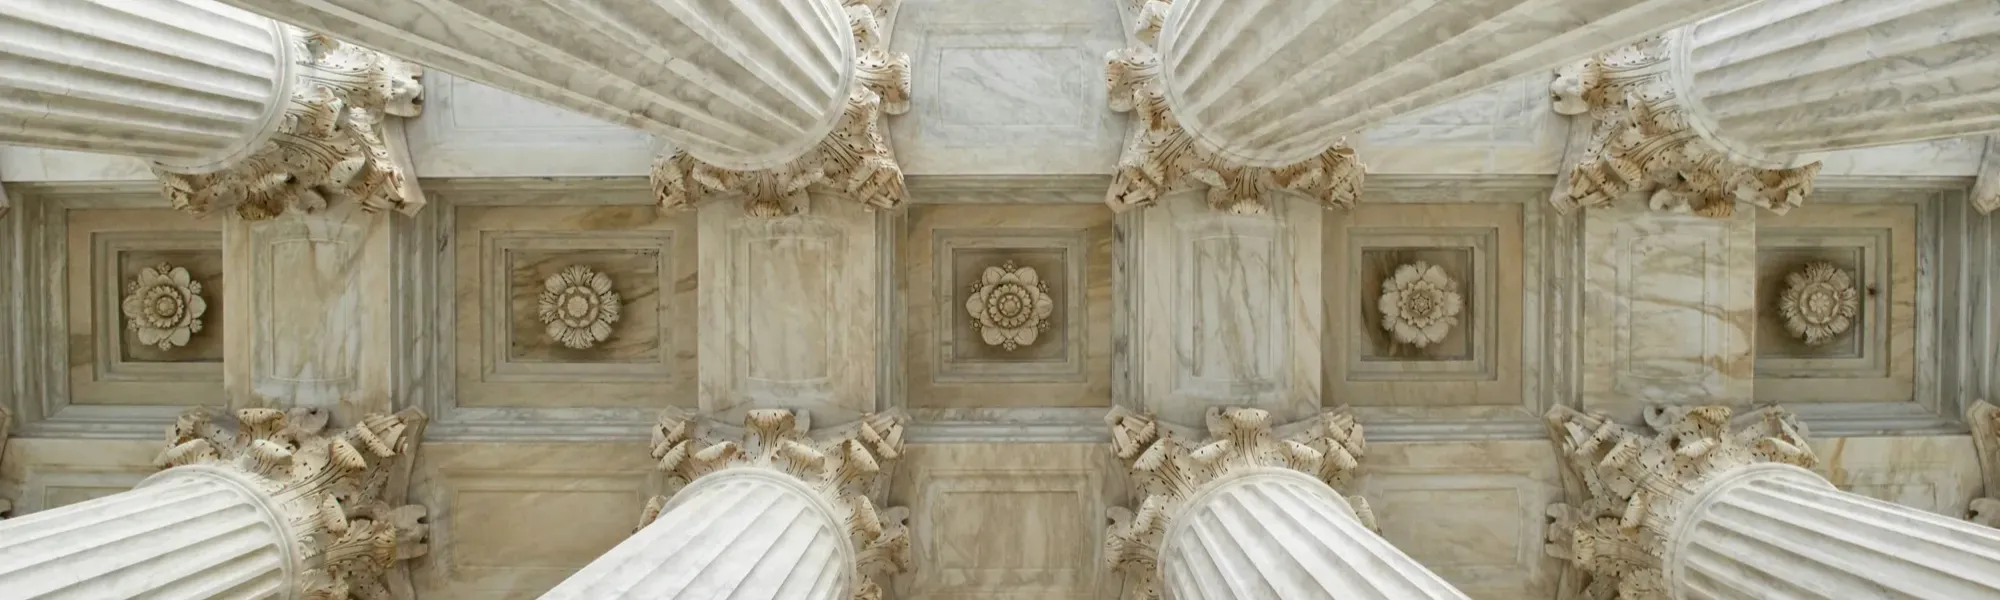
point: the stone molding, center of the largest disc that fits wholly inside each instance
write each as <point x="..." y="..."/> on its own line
<point x="1167" y="468"/>
<point x="336" y="140"/>
<point x="340" y="491"/>
<point x="1161" y="158"/>
<point x="1627" y="490"/>
<point x="1984" y="420"/>
<point x="848" y="466"/>
<point x="855" y="159"/>
<point x="1646" y="137"/>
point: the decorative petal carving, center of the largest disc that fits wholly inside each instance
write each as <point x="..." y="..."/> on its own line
<point x="1642" y="141"/>
<point x="342" y="491"/>
<point x="1010" y="306"/>
<point x="579" y="307"/>
<point x="1160" y="158"/>
<point x="855" y="159"/>
<point x="1819" y="303"/>
<point x="163" y="306"/>
<point x="1627" y="489"/>
<point x="1420" y="304"/>
<point x="848" y="465"/>
<point x="1167" y="467"/>
<point x="330" y="147"/>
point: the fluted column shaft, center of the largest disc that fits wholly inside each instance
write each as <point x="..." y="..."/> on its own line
<point x="192" y="85"/>
<point x="1776" y="532"/>
<point x="1278" y="533"/>
<point x="745" y="533"/>
<point x="1776" y="79"/>
<point x="194" y="533"/>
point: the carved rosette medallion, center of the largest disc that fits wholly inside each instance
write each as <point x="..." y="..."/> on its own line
<point x="1819" y="303"/>
<point x="578" y="306"/>
<point x="1420" y="304"/>
<point x="342" y="491"/>
<point x="163" y="306"/>
<point x="1161" y="158"/>
<point x="848" y="466"/>
<point x="1167" y="467"/>
<point x="331" y="145"/>
<point x="855" y="159"/>
<point x="1642" y="141"/>
<point x="1627" y="489"/>
<point x="1010" y="306"/>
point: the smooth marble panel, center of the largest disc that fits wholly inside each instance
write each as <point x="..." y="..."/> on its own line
<point x="1470" y="511"/>
<point x="471" y="130"/>
<point x="1008" y="521"/>
<point x="44" y="473"/>
<point x="1934" y="473"/>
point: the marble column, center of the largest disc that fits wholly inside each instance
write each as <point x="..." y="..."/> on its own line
<point x="1735" y="108"/>
<point x="1250" y="512"/>
<point x="742" y="86"/>
<point x="237" y="112"/>
<point x="256" y="504"/>
<point x="1242" y="96"/>
<point x="765" y="512"/>
<point x="1716" y="507"/>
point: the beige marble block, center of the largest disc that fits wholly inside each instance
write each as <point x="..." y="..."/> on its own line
<point x="313" y="302"/>
<point x="1008" y="521"/>
<point x="789" y="309"/>
<point x="947" y="251"/>
<point x="1472" y="512"/>
<point x="45" y="473"/>
<point x="1933" y="473"/>
<point x="1227" y="309"/>
<point x="1668" y="303"/>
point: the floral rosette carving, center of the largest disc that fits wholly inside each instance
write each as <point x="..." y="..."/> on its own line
<point x="1010" y="306"/>
<point x="1420" y="304"/>
<point x="163" y="306"/>
<point x="579" y="307"/>
<point x="1819" y="303"/>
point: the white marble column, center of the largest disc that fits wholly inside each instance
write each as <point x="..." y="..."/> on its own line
<point x="237" y="112"/>
<point x="1735" y="107"/>
<point x="193" y="533"/>
<point x="1244" y="95"/>
<point x="1250" y="513"/>
<point x="764" y="512"/>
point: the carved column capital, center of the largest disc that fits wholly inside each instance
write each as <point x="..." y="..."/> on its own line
<point x="6" y="421"/>
<point x="1627" y="490"/>
<point x="1649" y="136"/>
<point x="848" y="466"/>
<point x="1160" y="157"/>
<point x="340" y="491"/>
<point x="335" y="142"/>
<point x="1167" y="468"/>
<point x="854" y="159"/>
<point x="1984" y="419"/>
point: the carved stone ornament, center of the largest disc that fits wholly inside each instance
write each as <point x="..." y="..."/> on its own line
<point x="1984" y="419"/>
<point x="1161" y="158"/>
<point x="342" y="491"/>
<point x="163" y="306"/>
<point x="849" y="466"/>
<point x="855" y="159"/>
<point x="1010" y="306"/>
<point x="578" y="306"/>
<point x="1167" y="467"/>
<point x="1819" y="303"/>
<point x="1642" y="141"/>
<point x="331" y="145"/>
<point x="1626" y="489"/>
<point x="6" y="422"/>
<point x="1420" y="304"/>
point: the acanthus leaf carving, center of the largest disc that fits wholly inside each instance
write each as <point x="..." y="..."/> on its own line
<point x="1160" y="157"/>
<point x="848" y="466"/>
<point x="1167" y="467"/>
<point x="331" y="146"/>
<point x="1641" y="140"/>
<point x="1984" y="420"/>
<point x="855" y="159"/>
<point x="1628" y="488"/>
<point x="341" y="491"/>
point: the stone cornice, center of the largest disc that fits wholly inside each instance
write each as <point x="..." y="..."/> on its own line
<point x="337" y="141"/>
<point x="1626" y="489"/>
<point x="1168" y="467"/>
<point x="1161" y="158"/>
<point x="848" y="466"/>
<point x="341" y="491"/>
<point x="1645" y="138"/>
<point x="854" y="160"/>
